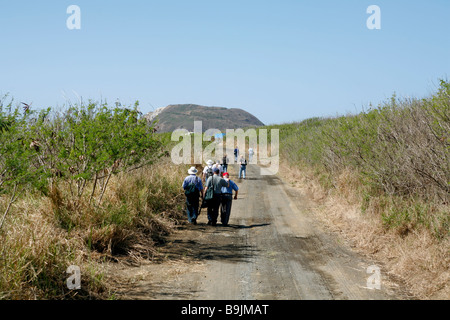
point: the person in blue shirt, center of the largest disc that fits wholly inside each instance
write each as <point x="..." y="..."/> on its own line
<point x="227" y="199"/>
<point x="193" y="188"/>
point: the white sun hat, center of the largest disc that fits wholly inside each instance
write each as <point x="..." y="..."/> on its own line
<point x="209" y="162"/>
<point x="192" y="170"/>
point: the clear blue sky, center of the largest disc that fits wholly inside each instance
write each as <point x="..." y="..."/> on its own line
<point x="280" y="60"/>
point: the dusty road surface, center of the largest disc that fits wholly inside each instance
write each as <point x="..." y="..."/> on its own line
<point x="273" y="249"/>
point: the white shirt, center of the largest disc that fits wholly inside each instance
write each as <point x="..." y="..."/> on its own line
<point x="206" y="168"/>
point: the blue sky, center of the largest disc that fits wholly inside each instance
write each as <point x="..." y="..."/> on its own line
<point x="280" y="60"/>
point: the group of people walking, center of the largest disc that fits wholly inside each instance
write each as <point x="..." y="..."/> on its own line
<point x="217" y="193"/>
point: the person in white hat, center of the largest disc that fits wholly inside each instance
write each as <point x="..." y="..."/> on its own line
<point x="193" y="189"/>
<point x="208" y="171"/>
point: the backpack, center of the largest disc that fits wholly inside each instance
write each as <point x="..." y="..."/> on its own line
<point x="209" y="193"/>
<point x="191" y="190"/>
<point x="209" y="196"/>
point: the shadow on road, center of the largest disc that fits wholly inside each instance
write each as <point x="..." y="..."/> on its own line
<point x="217" y="250"/>
<point x="145" y="291"/>
<point x="250" y="178"/>
<point x="202" y="242"/>
<point x="249" y="227"/>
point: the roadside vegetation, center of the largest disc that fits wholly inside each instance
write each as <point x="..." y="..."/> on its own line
<point x="79" y="187"/>
<point x="92" y="183"/>
<point x="392" y="164"/>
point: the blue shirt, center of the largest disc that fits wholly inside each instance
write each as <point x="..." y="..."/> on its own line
<point x="230" y="189"/>
<point x="193" y="179"/>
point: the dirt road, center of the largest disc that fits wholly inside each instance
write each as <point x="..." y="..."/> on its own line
<point x="273" y="250"/>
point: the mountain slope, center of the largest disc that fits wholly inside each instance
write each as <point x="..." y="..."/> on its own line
<point x="182" y="116"/>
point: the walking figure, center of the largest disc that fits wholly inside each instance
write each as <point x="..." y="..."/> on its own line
<point x="243" y="167"/>
<point x="214" y="187"/>
<point x="219" y="166"/>
<point x="250" y="155"/>
<point x="193" y="189"/>
<point x="227" y="199"/>
<point x="236" y="154"/>
<point x="208" y="171"/>
<point x="225" y="163"/>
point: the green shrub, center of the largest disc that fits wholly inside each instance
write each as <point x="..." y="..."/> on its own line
<point x="399" y="149"/>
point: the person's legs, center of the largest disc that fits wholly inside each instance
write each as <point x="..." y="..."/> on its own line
<point x="226" y="209"/>
<point x="210" y="214"/>
<point x="222" y="206"/>
<point x="189" y="211"/>
<point x="228" y="212"/>
<point x="192" y="209"/>
<point x="240" y="172"/>
<point x="195" y="206"/>
<point x="215" y="210"/>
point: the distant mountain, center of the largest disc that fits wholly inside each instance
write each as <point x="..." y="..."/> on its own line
<point x="182" y="116"/>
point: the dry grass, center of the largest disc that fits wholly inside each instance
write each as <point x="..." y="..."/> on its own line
<point x="416" y="256"/>
<point x="36" y="254"/>
<point x="43" y="236"/>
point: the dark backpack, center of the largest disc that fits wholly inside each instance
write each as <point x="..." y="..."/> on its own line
<point x="191" y="190"/>
<point x="208" y="200"/>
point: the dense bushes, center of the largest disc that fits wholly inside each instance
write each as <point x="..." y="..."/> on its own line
<point x="73" y="147"/>
<point x="399" y="150"/>
<point x="77" y="186"/>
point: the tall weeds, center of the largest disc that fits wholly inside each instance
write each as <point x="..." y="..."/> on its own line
<point x="44" y="235"/>
<point x="399" y="150"/>
<point x="381" y="178"/>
